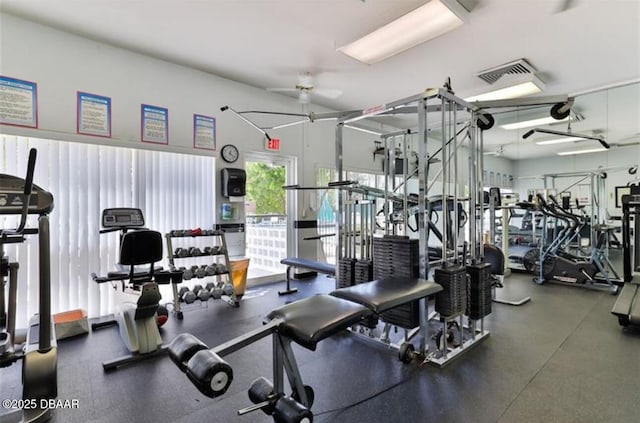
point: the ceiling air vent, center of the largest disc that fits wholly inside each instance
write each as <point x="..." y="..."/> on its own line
<point x="517" y="67"/>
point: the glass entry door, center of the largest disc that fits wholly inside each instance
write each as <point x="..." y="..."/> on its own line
<point x="266" y="215"/>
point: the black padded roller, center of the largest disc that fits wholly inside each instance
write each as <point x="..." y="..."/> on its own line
<point x="209" y="373"/>
<point x="288" y="410"/>
<point x="183" y="348"/>
<point x="262" y="390"/>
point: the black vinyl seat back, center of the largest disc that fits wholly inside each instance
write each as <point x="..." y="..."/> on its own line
<point x="142" y="246"/>
<point x="494" y="256"/>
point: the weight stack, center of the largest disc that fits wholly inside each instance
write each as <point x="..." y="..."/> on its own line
<point x="479" y="298"/>
<point x="398" y="256"/>
<point x="452" y="300"/>
<point x="363" y="271"/>
<point x="346" y="272"/>
<point x="395" y="255"/>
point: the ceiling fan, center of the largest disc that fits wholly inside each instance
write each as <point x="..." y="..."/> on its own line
<point x="499" y="152"/>
<point x="564" y="5"/>
<point x="306" y="89"/>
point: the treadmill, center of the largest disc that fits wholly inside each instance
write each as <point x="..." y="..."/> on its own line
<point x="627" y="306"/>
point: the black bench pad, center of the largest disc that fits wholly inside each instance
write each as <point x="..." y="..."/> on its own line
<point x="310" y="320"/>
<point x="325" y="268"/>
<point x="385" y="294"/>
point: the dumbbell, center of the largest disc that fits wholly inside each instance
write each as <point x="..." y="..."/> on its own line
<point x="188" y="297"/>
<point x="212" y="250"/>
<point x="227" y="289"/>
<point x="195" y="252"/>
<point x="222" y="269"/>
<point x="210" y="286"/>
<point x="201" y="272"/>
<point x="181" y="252"/>
<point x="216" y="293"/>
<point x="187" y="274"/>
<point x="204" y="294"/>
<point x="211" y="269"/>
<point x="182" y="291"/>
<point x="197" y="288"/>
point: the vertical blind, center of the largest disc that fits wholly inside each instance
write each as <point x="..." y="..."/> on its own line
<point x="174" y="191"/>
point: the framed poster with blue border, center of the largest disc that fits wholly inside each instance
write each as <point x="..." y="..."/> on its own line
<point x="19" y="101"/>
<point x="204" y="132"/>
<point x="93" y="115"/>
<point x="154" y="124"/>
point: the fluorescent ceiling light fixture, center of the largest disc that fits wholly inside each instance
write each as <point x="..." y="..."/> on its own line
<point x="511" y="88"/>
<point x="585" y="151"/>
<point x="533" y="122"/>
<point x="366" y="131"/>
<point x="428" y="21"/>
<point x="559" y="140"/>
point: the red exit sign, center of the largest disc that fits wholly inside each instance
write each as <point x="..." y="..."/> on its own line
<point x="273" y="144"/>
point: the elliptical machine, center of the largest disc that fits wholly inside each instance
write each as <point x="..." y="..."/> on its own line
<point x="563" y="268"/>
<point x="38" y="351"/>
<point x="136" y="321"/>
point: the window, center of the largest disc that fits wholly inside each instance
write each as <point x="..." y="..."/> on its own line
<point x="175" y="191"/>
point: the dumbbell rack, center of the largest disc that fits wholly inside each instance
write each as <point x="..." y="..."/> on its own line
<point x="223" y="252"/>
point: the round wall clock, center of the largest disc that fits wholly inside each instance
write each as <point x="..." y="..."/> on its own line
<point x="229" y="153"/>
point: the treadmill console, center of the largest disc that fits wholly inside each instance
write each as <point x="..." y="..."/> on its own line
<point x="12" y="197"/>
<point x="122" y="218"/>
<point x="631" y="200"/>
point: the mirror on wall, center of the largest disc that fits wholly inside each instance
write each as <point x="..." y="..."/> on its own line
<point x="608" y="113"/>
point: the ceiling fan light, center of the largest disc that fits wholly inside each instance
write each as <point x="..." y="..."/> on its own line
<point x="427" y="22"/>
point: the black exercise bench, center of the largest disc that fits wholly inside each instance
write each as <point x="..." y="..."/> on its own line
<point x="306" y="322"/>
<point x="316" y="266"/>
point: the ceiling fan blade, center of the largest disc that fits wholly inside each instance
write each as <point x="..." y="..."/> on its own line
<point x="565" y="5"/>
<point x="327" y="92"/>
<point x="303" y="97"/>
<point x="629" y="144"/>
<point x="282" y="90"/>
<point x="305" y="80"/>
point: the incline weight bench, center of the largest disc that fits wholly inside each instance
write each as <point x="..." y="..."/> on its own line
<point x="316" y="266"/>
<point x="306" y="322"/>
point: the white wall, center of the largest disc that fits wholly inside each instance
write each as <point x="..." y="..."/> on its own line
<point x="62" y="64"/>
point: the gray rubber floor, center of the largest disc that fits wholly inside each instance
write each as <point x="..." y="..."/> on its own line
<point x="560" y="358"/>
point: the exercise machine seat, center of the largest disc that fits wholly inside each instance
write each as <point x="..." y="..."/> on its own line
<point x="310" y="320"/>
<point x="325" y="268"/>
<point x="385" y="294"/>
<point x="147" y="304"/>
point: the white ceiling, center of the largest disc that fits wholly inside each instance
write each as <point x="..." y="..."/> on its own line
<point x="589" y="45"/>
